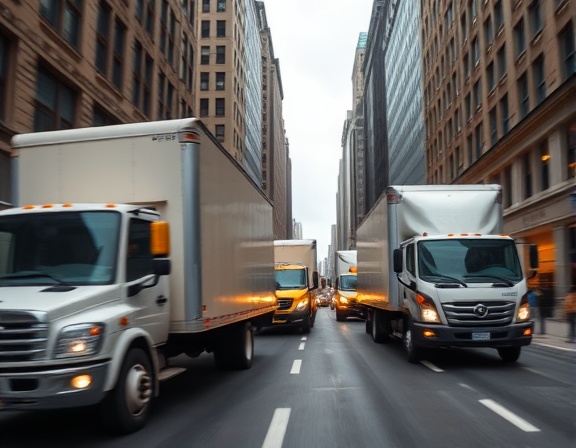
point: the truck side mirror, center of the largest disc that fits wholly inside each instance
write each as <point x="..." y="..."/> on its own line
<point x="161" y="266"/>
<point x="315" y="279"/>
<point x="397" y="258"/>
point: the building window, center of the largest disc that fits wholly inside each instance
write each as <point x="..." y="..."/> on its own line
<point x="204" y="81"/>
<point x="4" y="51"/>
<point x="501" y="60"/>
<point x="165" y="97"/>
<point x="571" y="150"/>
<point x="535" y="15"/>
<point x="205" y="55"/>
<point x="568" y="51"/>
<point x="527" y="166"/>
<point x="167" y="31"/>
<point x="468" y="107"/>
<point x="523" y="96"/>
<point x="476" y="51"/>
<point x="220" y="54"/>
<point x="220" y="107"/>
<point x="204" y="104"/>
<point x="478" y="93"/>
<point x="544" y="166"/>
<point x="205" y="5"/>
<point x="55" y="103"/>
<point x="507" y="187"/>
<point x="466" y="66"/>
<point x="221" y="6"/>
<point x="64" y="17"/>
<point x="187" y="63"/>
<point x="493" y="126"/>
<point x="220" y="80"/>
<point x="498" y="15"/>
<point x="102" y="118"/>
<point x="205" y="28"/>
<point x="142" y="79"/>
<point x="488" y="32"/>
<point x="145" y="15"/>
<point x="505" y="114"/>
<point x="220" y="132"/>
<point x="221" y="28"/>
<point x="519" y="38"/>
<point x="103" y="37"/>
<point x="539" y="79"/>
<point x="479" y="140"/>
<point x="491" y="76"/>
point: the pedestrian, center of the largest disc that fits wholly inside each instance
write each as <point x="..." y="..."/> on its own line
<point x="541" y="310"/>
<point x="570" y="310"/>
<point x="532" y="303"/>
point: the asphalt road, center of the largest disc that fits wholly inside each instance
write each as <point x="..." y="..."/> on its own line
<point x="336" y="388"/>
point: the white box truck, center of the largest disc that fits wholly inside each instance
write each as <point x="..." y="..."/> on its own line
<point x="296" y="282"/>
<point x="435" y="269"/>
<point x="129" y="245"/>
<point x="345" y="298"/>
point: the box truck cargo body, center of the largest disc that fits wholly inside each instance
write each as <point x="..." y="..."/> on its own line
<point x="296" y="282"/>
<point x="345" y="299"/>
<point x="129" y="244"/>
<point x="435" y="269"/>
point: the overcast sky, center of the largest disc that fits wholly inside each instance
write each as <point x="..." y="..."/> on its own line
<point x="315" y="41"/>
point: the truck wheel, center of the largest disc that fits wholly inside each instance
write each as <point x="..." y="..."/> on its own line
<point x="340" y="317"/>
<point x="306" y="325"/>
<point x="378" y="334"/>
<point x="235" y="348"/>
<point x="369" y="323"/>
<point x="127" y="407"/>
<point x="413" y="351"/>
<point x="509" y="354"/>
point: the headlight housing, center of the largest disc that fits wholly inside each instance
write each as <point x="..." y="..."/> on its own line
<point x="523" y="310"/>
<point x="428" y="311"/>
<point x="79" y="340"/>
<point x="302" y="304"/>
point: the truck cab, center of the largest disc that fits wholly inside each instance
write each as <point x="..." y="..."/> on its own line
<point x="297" y="304"/>
<point x="345" y="300"/>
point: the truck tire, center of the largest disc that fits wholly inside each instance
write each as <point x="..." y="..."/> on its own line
<point x="127" y="407"/>
<point x="509" y="354"/>
<point x="340" y="317"/>
<point x="378" y="334"/>
<point x="413" y="352"/>
<point x="235" y="348"/>
<point x="306" y="325"/>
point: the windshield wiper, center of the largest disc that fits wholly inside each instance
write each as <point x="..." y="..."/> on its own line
<point x="33" y="274"/>
<point x="505" y="281"/>
<point x="452" y="280"/>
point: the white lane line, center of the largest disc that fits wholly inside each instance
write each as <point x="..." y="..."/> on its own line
<point x="277" y="428"/>
<point x="296" y="367"/>
<point x="302" y="344"/>
<point x="304" y="338"/>
<point x="431" y="366"/>
<point x="566" y="349"/>
<point x="511" y="417"/>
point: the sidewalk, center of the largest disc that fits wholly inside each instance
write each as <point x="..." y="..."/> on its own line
<point x="556" y="334"/>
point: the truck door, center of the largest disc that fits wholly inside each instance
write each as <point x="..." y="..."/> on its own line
<point x="408" y="276"/>
<point x="151" y="303"/>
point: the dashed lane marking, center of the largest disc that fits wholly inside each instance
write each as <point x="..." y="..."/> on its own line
<point x="277" y="429"/>
<point x="510" y="416"/>
<point x="296" y="365"/>
<point x="431" y="366"/>
<point x="302" y="346"/>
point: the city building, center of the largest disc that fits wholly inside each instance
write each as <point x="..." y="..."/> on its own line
<point x="78" y="64"/>
<point x="500" y="107"/>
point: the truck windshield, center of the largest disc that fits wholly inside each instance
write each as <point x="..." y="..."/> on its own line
<point x="73" y="248"/>
<point x="348" y="282"/>
<point x="290" y="278"/>
<point x="469" y="260"/>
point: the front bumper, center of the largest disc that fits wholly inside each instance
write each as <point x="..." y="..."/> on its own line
<point x="511" y="336"/>
<point x="351" y="310"/>
<point x="297" y="318"/>
<point x="50" y="387"/>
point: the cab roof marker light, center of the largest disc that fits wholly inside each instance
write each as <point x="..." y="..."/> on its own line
<point x="29" y="207"/>
<point x="67" y="204"/>
<point x="47" y="206"/>
<point x="188" y="137"/>
<point x="110" y="206"/>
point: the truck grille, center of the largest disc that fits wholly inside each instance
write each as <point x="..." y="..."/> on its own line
<point x="477" y="314"/>
<point x="23" y="336"/>
<point x="284" y="304"/>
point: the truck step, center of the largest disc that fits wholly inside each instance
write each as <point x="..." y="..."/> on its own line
<point x="170" y="372"/>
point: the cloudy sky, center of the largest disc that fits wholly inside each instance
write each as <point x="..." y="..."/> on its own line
<point x="315" y="41"/>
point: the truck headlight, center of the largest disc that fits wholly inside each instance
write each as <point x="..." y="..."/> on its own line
<point x="302" y="304"/>
<point x="523" y="310"/>
<point x="428" y="310"/>
<point x="79" y="340"/>
<point x="343" y="300"/>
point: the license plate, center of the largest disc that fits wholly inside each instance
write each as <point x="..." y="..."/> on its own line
<point x="484" y="336"/>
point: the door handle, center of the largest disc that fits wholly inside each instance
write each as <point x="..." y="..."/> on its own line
<point x="161" y="300"/>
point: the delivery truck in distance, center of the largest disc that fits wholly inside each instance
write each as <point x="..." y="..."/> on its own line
<point x="296" y="283"/>
<point x="435" y="270"/>
<point x="129" y="245"/>
<point x="345" y="297"/>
